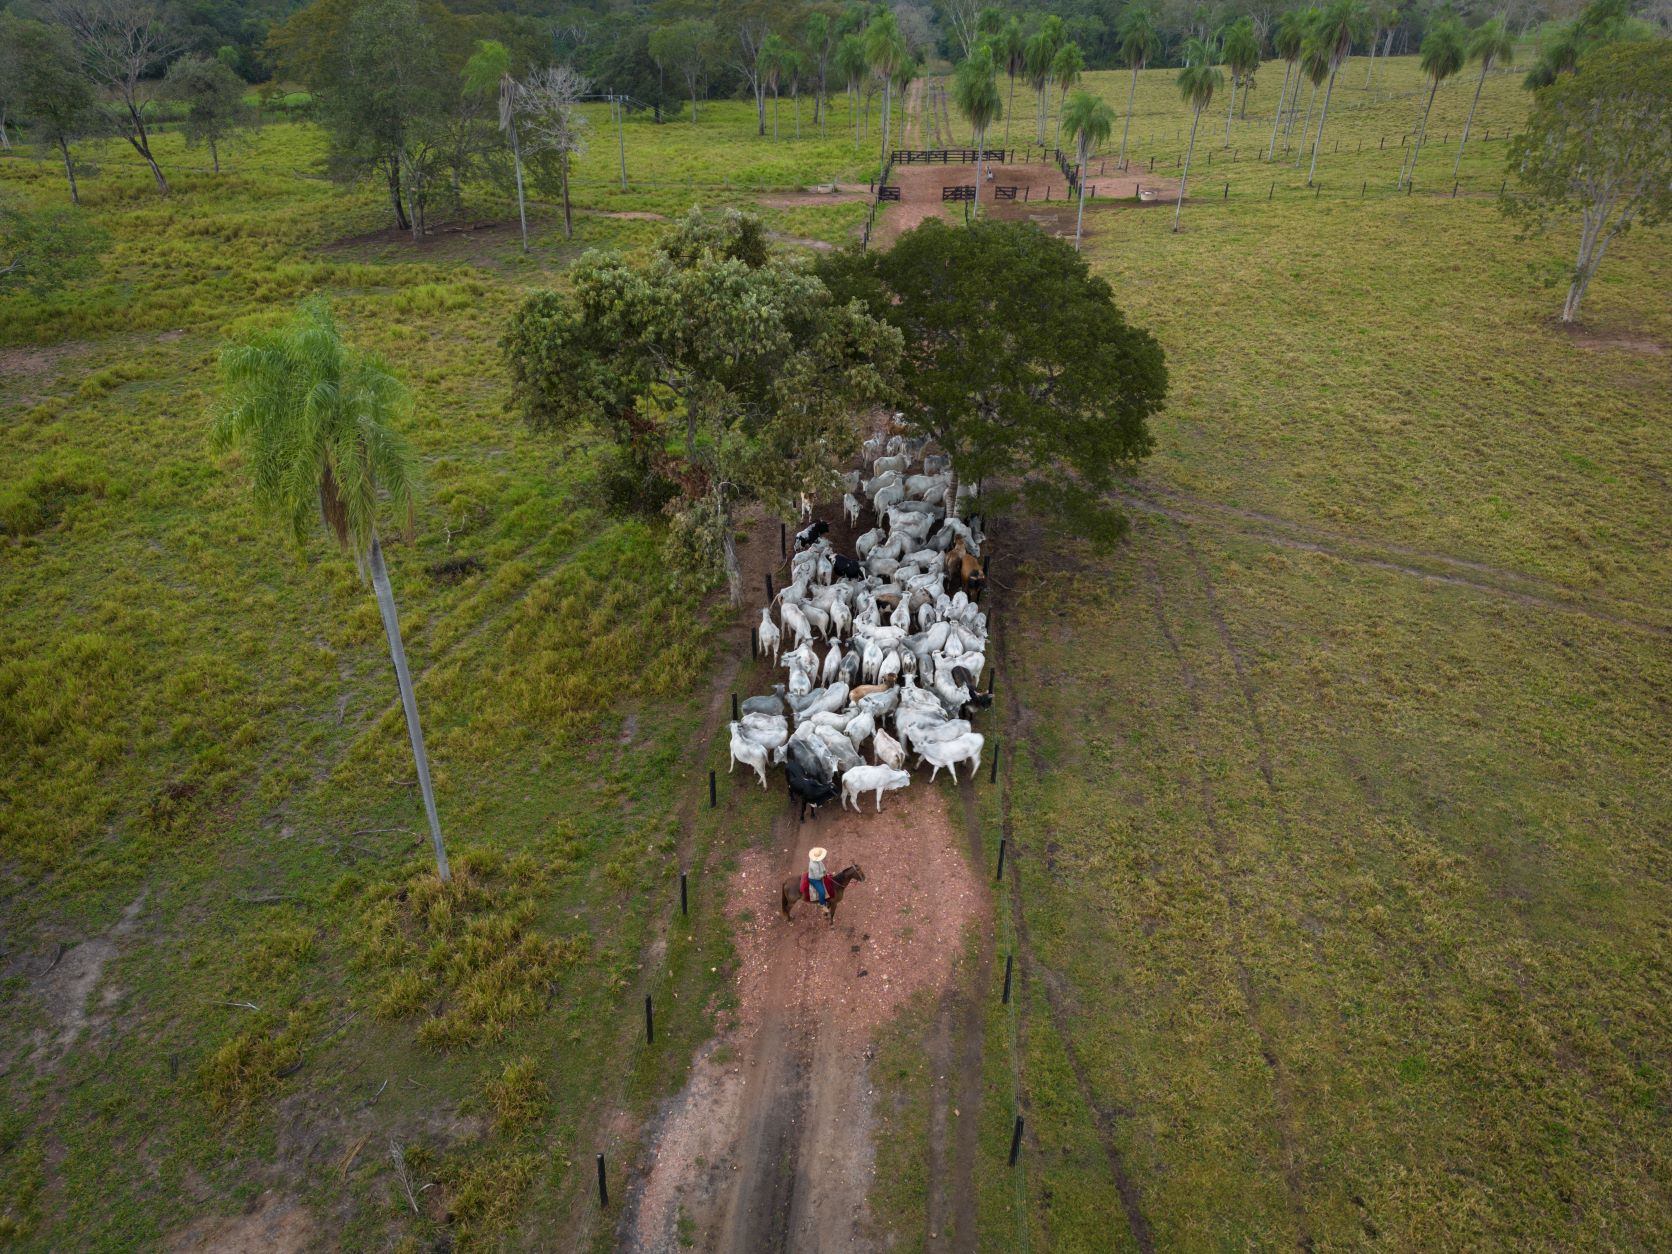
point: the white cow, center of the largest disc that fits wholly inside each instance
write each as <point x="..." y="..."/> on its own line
<point x="949" y="753"/>
<point x="768" y="633"/>
<point x="747" y="752"/>
<point x="889" y="751"/>
<point x="863" y="779"/>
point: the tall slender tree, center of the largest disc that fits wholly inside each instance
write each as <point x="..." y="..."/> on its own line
<point x="1197" y="82"/>
<point x="1041" y="50"/>
<point x="1441" y="57"/>
<point x="1490" y="43"/>
<point x="214" y="100"/>
<point x="820" y="38"/>
<point x="1341" y="24"/>
<point x="1066" y="69"/>
<point x="317" y="418"/>
<point x="885" y="52"/>
<point x="1242" y="59"/>
<point x="1314" y="65"/>
<point x="687" y="48"/>
<point x="852" y="65"/>
<point x="975" y="88"/>
<point x="1139" y="41"/>
<point x="1290" y="34"/>
<point x="49" y="89"/>
<point x="1089" y="122"/>
<point x="1011" y="48"/>
<point x="775" y="64"/>
<point x="1381" y="18"/>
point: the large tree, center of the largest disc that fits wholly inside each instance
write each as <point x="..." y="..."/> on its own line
<point x="885" y="53"/>
<point x="1139" y="42"/>
<point x="1042" y="48"/>
<point x="1018" y="364"/>
<point x="122" y="43"/>
<point x="1066" y="68"/>
<point x="548" y="105"/>
<point x="738" y="358"/>
<point x="686" y="48"/>
<point x="1242" y="58"/>
<point x="318" y="421"/>
<point x="46" y="84"/>
<point x="852" y="64"/>
<point x="1010" y="48"/>
<point x="214" y="100"/>
<point x="1598" y="145"/>
<point x="1291" y="33"/>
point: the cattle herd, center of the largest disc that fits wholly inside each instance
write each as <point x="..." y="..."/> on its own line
<point x="885" y="648"/>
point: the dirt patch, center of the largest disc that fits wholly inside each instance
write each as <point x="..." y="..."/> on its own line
<point x="844" y="194"/>
<point x="1622" y="341"/>
<point x="27" y="363"/>
<point x="67" y="986"/>
<point x="433" y="236"/>
<point x="624" y="215"/>
<point x="276" y="1225"/>
<point x="769" y="1146"/>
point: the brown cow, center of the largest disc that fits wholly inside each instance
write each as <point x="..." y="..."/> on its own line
<point x="964" y="571"/>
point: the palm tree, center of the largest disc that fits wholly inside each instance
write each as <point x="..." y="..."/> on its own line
<point x="1089" y="122"/>
<point x="1490" y="44"/>
<point x="1291" y="32"/>
<point x="1340" y="26"/>
<point x="1065" y="68"/>
<point x="1242" y="58"/>
<point x="316" y="417"/>
<point x="774" y="60"/>
<point x="1381" y="17"/>
<point x="1139" y="41"/>
<point x="975" y="88"/>
<point x="1009" y="46"/>
<point x="1197" y="81"/>
<point x="1314" y="65"/>
<point x="852" y="66"/>
<point x="1441" y="56"/>
<point x="1041" y="50"/>
<point x="489" y="69"/>
<point x="885" y="52"/>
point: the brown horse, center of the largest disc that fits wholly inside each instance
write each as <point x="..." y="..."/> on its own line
<point x="792" y="892"/>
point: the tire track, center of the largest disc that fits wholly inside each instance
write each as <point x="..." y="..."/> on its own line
<point x="1016" y="721"/>
<point x="1458" y="572"/>
<point x="1281" y="1097"/>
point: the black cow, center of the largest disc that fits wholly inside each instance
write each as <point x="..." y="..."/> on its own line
<point x="808" y="788"/>
<point x="808" y="534"/>
<point x="847" y="568"/>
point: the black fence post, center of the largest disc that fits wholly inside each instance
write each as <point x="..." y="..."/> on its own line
<point x="1501" y="186"/>
<point x="1227" y="194"/>
<point x="993" y="775"/>
<point x="754" y="643"/>
<point x="1272" y="192"/>
<point x="783" y="541"/>
<point x="1454" y="191"/>
<point x="1363" y="187"/>
<point x="711" y="793"/>
<point x="769" y="585"/>
<point x="1008" y="958"/>
<point x="734" y="707"/>
<point x="1000" y="874"/>
<point x="649" y="1022"/>
<point x="1016" y="1141"/>
<point x="603" y="1188"/>
<point x="684" y="901"/>
<point x="1318" y="192"/>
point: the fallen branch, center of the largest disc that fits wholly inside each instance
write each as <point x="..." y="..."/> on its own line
<point x="372" y="1100"/>
<point x="241" y="1005"/>
<point x="402" y="1175"/>
<point x="373" y="831"/>
<point x="342" y="1172"/>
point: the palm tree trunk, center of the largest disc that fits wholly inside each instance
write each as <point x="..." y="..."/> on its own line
<point x="409" y="700"/>
<point x="1009" y="109"/>
<point x="1061" y="101"/>
<point x="516" y="165"/>
<point x="69" y="170"/>
<point x="1042" y="112"/>
<point x="1422" y="132"/>
<point x="1231" y="111"/>
<point x="1300" y="150"/>
<point x="887" y="109"/>
<point x="214" y="156"/>
<point x="563" y="178"/>
<point x="1127" y="128"/>
<point x="1375" y="38"/>
<point x="1080" y="217"/>
<point x="1485" y="64"/>
<point x="1185" y="176"/>
<point x="980" y="153"/>
<point x="1294" y="107"/>
<point x="1277" y="117"/>
<point x="1318" y="140"/>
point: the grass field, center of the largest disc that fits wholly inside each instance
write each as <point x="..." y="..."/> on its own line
<point x="1338" y="798"/>
<point x="1338" y="795"/>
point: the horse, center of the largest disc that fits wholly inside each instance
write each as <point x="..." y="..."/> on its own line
<point x="791" y="892"/>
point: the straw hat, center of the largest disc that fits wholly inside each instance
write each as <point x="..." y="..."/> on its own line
<point x="818" y="853"/>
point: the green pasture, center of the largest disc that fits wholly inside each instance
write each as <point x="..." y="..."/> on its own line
<point x="1432" y="528"/>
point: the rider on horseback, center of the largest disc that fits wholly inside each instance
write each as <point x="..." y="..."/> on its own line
<point x="818" y="883"/>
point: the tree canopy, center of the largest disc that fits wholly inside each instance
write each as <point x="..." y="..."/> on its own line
<point x="1018" y="363"/>
<point x="1598" y="145"/>
<point x="739" y="358"/>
